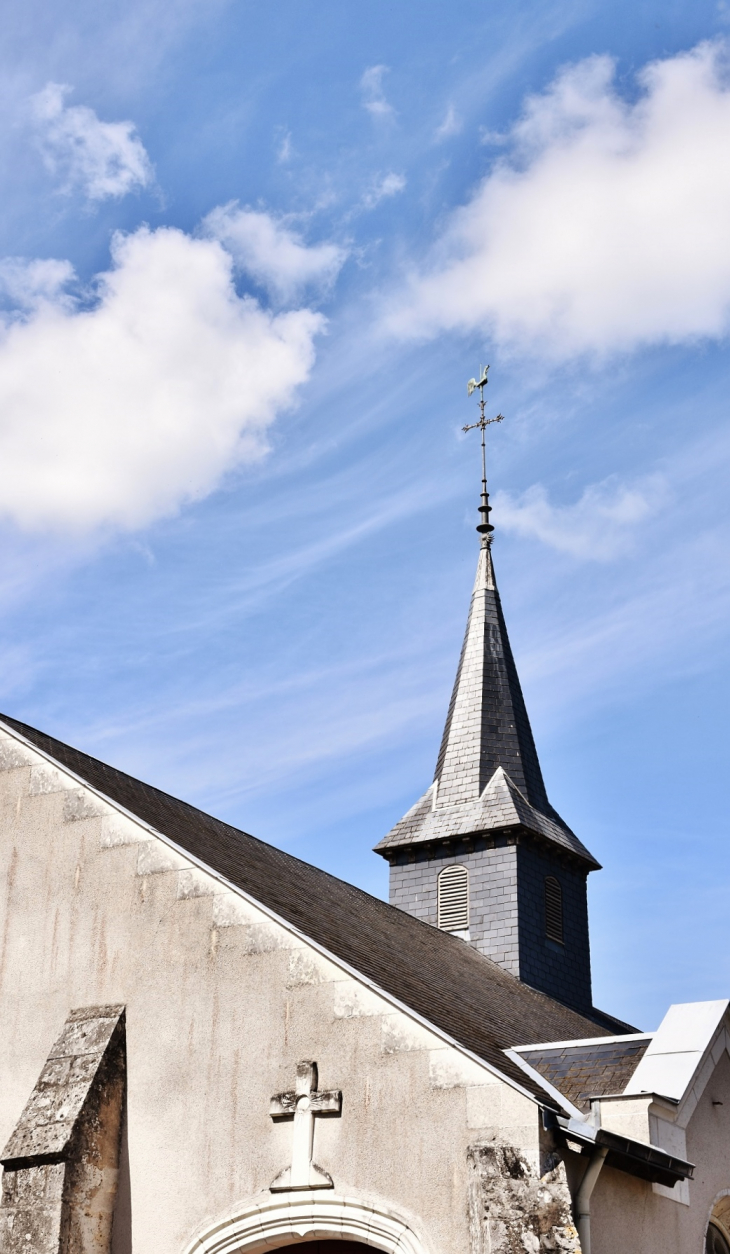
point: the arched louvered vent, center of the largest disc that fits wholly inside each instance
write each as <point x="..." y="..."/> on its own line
<point x="553" y="909"/>
<point x="453" y="898"/>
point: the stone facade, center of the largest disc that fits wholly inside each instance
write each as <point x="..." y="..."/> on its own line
<point x="431" y="1150"/>
<point x="515" y="1209"/>
<point x="223" y="1003"/>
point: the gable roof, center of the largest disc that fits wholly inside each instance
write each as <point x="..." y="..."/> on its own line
<point x="488" y="773"/>
<point x="436" y="975"/>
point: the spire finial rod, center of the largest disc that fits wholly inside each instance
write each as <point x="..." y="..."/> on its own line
<point x="484" y="527"/>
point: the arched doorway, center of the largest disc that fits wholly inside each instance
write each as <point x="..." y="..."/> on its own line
<point x="324" y="1222"/>
<point x="717" y="1240"/>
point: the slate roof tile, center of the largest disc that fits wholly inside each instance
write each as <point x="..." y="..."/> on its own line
<point x="583" y="1071"/>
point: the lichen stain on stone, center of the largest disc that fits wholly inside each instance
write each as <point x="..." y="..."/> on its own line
<point x="74" y="1115"/>
<point x="513" y="1210"/>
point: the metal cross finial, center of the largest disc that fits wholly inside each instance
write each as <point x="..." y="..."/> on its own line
<point x="301" y="1106"/>
<point x="484" y="527"/>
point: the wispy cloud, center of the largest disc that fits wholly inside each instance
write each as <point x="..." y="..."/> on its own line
<point x="451" y="125"/>
<point x="373" y="94"/>
<point x="272" y="253"/>
<point x="604" y="226"/>
<point x="648" y="636"/>
<point x="597" y="527"/>
<point x="103" y="159"/>
<point x="284" y="149"/>
<point x="118" y="412"/>
<point x="384" y="187"/>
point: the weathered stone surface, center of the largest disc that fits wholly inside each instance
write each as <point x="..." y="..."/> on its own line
<point x="30" y="1215"/>
<point x="61" y="1162"/>
<point x="512" y="1210"/>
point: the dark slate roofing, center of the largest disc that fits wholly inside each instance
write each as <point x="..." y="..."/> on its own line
<point x="438" y="976"/>
<point x="487" y="741"/>
<point x="487" y="700"/>
<point x="501" y="806"/>
<point x="594" y="1069"/>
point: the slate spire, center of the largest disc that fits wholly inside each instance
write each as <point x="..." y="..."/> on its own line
<point x="482" y="853"/>
<point x="487" y="774"/>
<point x="487" y="724"/>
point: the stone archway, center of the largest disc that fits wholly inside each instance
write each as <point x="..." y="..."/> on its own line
<point x="717" y="1239"/>
<point x="276" y="1220"/>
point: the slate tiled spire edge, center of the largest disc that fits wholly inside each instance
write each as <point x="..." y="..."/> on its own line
<point x="488" y="773"/>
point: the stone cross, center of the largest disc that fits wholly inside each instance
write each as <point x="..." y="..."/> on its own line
<point x="301" y="1106"/>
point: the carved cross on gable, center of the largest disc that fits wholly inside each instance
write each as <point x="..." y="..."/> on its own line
<point x="302" y="1105"/>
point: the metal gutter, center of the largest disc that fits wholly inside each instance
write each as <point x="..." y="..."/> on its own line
<point x="636" y="1158"/>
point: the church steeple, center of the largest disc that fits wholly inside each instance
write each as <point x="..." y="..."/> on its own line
<point x="487" y="814"/>
<point x="487" y="724"/>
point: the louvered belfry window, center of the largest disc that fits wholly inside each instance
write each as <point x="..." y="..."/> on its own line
<point x="553" y="909"/>
<point x="453" y="899"/>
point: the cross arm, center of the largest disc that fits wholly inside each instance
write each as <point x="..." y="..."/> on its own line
<point x="283" y="1105"/>
<point x="327" y="1103"/>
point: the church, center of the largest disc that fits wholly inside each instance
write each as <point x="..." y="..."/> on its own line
<point x="208" y="1046"/>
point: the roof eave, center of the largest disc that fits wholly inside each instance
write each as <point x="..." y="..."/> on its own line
<point x="387" y="847"/>
<point x="636" y="1158"/>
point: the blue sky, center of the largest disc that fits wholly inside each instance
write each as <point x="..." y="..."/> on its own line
<point x="249" y="256"/>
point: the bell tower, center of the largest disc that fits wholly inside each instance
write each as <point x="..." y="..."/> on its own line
<point x="483" y="854"/>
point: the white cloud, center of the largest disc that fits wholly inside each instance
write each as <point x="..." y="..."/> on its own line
<point x="272" y="253"/>
<point x="373" y="95"/>
<point x="604" y="227"/>
<point x="284" y="151"/>
<point x="385" y="187"/>
<point x="115" y="414"/>
<point x="27" y="284"/>
<point x="451" y="125"/>
<point x="104" y="159"/>
<point x="597" y="527"/>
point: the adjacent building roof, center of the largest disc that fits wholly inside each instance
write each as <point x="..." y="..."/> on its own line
<point x="438" y="976"/>
<point x="487" y="775"/>
<point x="675" y="1053"/>
<point x="584" y="1069"/>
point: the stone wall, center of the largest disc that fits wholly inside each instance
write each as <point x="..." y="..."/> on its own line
<point x="513" y="1209"/>
<point x="222" y="1003"/>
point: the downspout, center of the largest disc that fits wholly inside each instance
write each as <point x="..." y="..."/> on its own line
<point x="583" y="1199"/>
